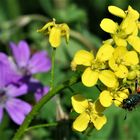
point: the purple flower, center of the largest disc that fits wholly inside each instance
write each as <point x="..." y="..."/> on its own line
<point x="16" y="108"/>
<point x="27" y="64"/>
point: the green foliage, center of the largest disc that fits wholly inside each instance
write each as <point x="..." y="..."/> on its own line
<point x="62" y="11"/>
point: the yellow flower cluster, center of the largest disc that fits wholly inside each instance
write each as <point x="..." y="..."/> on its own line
<point x="116" y="65"/>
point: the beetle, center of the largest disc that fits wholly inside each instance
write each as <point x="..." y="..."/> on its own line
<point x="133" y="99"/>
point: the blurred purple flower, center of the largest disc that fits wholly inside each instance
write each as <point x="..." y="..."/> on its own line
<point x="27" y="64"/>
<point x="16" y="108"/>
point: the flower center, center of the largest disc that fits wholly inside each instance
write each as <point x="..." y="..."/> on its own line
<point x="97" y="65"/>
<point x="120" y="61"/>
<point x="89" y="109"/>
<point x="24" y="71"/>
<point x="121" y="33"/>
<point x="3" y="97"/>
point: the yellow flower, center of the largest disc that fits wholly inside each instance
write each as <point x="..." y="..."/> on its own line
<point x="127" y="31"/>
<point x="107" y="97"/>
<point x="121" y="59"/>
<point x="95" y="68"/>
<point x="89" y="113"/>
<point x="55" y="32"/>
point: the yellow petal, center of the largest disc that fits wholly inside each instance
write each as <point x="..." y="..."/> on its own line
<point x="83" y="57"/>
<point x="112" y="64"/>
<point x="108" y="25"/>
<point x="55" y="37"/>
<point x="122" y="71"/>
<point x="118" y="101"/>
<point x="116" y="11"/>
<point x="65" y="31"/>
<point x="120" y="96"/>
<point x="119" y="41"/>
<point x="133" y="13"/>
<point x="131" y="58"/>
<point x="134" y="41"/>
<point x="119" y="52"/>
<point x="108" y="78"/>
<point x="136" y="30"/>
<point x="108" y="41"/>
<point x="79" y="103"/>
<point x="128" y="25"/>
<point x="89" y="77"/>
<point x="106" y="98"/>
<point x="99" y="121"/>
<point x="98" y="107"/>
<point x="138" y="24"/>
<point x="105" y="52"/>
<point x="123" y="94"/>
<point x="81" y="122"/>
<point x="132" y="75"/>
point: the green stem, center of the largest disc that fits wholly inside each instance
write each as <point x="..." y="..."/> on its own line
<point x="52" y="70"/>
<point x="41" y="125"/>
<point x="82" y="39"/>
<point x="41" y="103"/>
<point x="71" y="89"/>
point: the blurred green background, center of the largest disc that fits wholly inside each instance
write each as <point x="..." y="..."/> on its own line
<point x="19" y="19"/>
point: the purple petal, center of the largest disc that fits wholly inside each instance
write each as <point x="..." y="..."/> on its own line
<point x="40" y="62"/>
<point x="14" y="66"/>
<point x="1" y="113"/>
<point x="4" y="59"/>
<point x="14" y="91"/>
<point x="17" y="110"/>
<point x="7" y="74"/>
<point x="40" y="93"/>
<point x="21" y="53"/>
